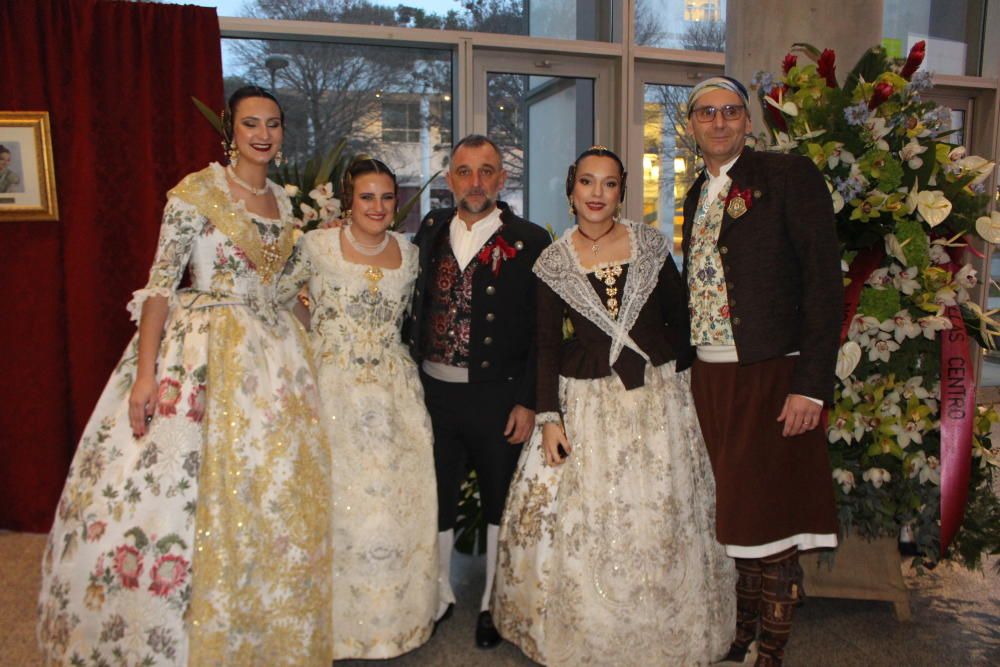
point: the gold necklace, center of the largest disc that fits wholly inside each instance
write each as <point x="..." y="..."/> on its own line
<point x="609" y="276"/>
<point x="594" y="239"/>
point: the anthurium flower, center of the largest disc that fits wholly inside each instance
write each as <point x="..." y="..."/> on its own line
<point x="778" y="102"/>
<point x="932" y="205"/>
<point x="910" y="153"/>
<point x="848" y="359"/>
<point x="894" y="247"/>
<point x="783" y="143"/>
<point x="978" y="165"/>
<point x="988" y="226"/>
<point x="914" y="59"/>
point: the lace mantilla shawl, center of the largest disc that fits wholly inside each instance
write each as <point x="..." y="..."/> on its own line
<point x="208" y="192"/>
<point x="560" y="268"/>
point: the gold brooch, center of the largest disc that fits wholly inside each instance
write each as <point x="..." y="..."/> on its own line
<point x="736" y="208"/>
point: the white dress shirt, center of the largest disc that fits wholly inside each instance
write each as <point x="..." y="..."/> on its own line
<point x="465" y="242"/>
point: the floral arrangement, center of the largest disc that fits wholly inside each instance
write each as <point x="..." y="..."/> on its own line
<point x="906" y="201"/>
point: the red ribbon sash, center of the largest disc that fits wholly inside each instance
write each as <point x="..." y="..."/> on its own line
<point x="958" y="409"/>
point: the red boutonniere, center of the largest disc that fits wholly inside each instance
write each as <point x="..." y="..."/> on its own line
<point x="496" y="252"/>
<point x="738" y="201"/>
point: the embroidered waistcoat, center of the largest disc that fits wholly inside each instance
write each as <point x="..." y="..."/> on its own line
<point x="709" y="301"/>
<point x="449" y="307"/>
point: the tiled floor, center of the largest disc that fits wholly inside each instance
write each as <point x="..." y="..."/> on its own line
<point x="956" y="621"/>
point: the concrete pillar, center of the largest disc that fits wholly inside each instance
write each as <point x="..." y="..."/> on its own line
<point x="760" y="32"/>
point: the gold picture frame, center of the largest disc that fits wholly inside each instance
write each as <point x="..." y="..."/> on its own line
<point x="27" y="172"/>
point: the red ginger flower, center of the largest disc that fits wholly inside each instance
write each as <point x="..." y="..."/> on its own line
<point x="789" y="62"/>
<point x="826" y="67"/>
<point x="880" y="94"/>
<point x="913" y="60"/>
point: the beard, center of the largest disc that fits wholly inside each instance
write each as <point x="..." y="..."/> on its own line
<point x="468" y="207"/>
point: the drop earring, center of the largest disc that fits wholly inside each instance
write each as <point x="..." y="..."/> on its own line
<point x="278" y="158"/>
<point x="570" y="207"/>
<point x="233" y="153"/>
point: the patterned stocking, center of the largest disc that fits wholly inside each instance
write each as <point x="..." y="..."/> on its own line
<point x="782" y="586"/>
<point x="748" y="592"/>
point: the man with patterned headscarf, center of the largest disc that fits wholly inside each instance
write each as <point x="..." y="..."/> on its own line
<point x="762" y="266"/>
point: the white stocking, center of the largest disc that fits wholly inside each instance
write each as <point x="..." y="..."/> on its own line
<point x="446" y="596"/>
<point x="492" y="538"/>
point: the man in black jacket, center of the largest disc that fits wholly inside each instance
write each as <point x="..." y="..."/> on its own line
<point x="472" y="331"/>
<point x="762" y="267"/>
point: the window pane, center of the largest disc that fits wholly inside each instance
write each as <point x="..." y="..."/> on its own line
<point x="668" y="160"/>
<point x="698" y="25"/>
<point x="391" y="102"/>
<point x="541" y="123"/>
<point x="560" y="19"/>
<point x="952" y="29"/>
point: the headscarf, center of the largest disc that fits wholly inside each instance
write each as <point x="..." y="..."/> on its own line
<point x="718" y="83"/>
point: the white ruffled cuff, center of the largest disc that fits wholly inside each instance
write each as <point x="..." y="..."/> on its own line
<point x="543" y="418"/>
<point x="139" y="297"/>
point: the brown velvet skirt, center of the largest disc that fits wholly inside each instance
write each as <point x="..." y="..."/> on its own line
<point x="768" y="487"/>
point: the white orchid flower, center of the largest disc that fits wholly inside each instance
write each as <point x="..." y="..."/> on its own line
<point x="988" y="226"/>
<point x="877" y="477"/>
<point x="845" y="478"/>
<point x="308" y="212"/>
<point x="291" y="190"/>
<point x="879" y="278"/>
<point x="905" y="326"/>
<point x="939" y="255"/>
<point x="931" y="472"/>
<point x="966" y="277"/>
<point x="907" y="433"/>
<point x="910" y="154"/>
<point x="878" y="129"/>
<point x="905" y="280"/>
<point x="914" y="387"/>
<point x="931" y="324"/>
<point x="321" y="193"/>
<point x="332" y="207"/>
<point x="946" y="296"/>
<point x="881" y="347"/>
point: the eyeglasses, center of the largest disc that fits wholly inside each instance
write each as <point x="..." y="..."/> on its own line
<point x="707" y="114"/>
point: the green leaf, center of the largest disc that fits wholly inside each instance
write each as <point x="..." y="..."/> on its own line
<point x="140" y="537"/>
<point x="212" y="117"/>
<point x="869" y="67"/>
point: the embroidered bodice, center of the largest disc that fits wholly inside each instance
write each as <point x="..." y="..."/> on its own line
<point x="234" y="257"/>
<point x="706" y="280"/>
<point x="356" y="310"/>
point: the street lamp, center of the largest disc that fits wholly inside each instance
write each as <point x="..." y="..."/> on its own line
<point x="273" y="64"/>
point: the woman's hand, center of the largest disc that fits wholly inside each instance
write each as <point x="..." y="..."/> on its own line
<point x="142" y="404"/>
<point x="552" y="437"/>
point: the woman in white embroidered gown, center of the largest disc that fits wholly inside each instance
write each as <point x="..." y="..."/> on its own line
<point x="360" y="279"/>
<point x="192" y="530"/>
<point x="607" y="548"/>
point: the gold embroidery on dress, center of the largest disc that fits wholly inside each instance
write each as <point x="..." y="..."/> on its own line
<point x="373" y="274"/>
<point x="609" y="276"/>
<point x="201" y="190"/>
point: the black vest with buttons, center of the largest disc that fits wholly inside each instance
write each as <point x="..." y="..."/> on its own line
<point x="501" y="323"/>
<point x="449" y="307"/>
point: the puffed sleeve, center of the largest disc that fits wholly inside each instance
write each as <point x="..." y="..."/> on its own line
<point x="297" y="271"/>
<point x="181" y="225"/>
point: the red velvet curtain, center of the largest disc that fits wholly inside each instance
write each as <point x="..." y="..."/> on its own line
<point x="117" y="80"/>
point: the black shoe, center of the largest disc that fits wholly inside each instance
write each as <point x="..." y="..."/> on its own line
<point x="486" y="633"/>
<point x="444" y="617"/>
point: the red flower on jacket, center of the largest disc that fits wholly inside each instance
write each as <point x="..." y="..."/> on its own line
<point x="914" y="60"/>
<point x="496" y="252"/>
<point x="169" y="395"/>
<point x="826" y="67"/>
<point x="789" y="62"/>
<point x="746" y="194"/>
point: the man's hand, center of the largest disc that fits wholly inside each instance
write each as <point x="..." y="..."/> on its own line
<point x="800" y="414"/>
<point x="520" y="424"/>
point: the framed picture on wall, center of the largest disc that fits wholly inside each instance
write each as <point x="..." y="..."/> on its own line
<point x="27" y="174"/>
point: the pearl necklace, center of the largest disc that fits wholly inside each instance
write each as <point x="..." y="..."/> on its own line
<point x="367" y="250"/>
<point x="243" y="184"/>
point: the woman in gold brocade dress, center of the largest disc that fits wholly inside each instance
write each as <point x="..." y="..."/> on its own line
<point x="607" y="545"/>
<point x="193" y="528"/>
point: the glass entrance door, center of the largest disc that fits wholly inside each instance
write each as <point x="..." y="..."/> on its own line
<point x="542" y="110"/>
